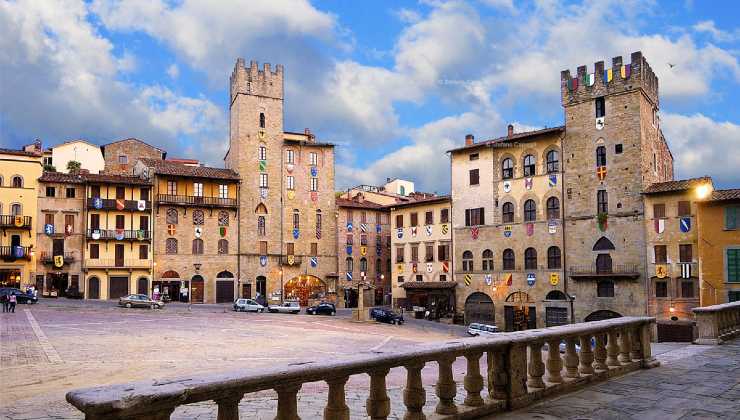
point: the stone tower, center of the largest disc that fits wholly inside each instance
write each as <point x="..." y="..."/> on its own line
<point x="612" y="150"/>
<point x="255" y="149"/>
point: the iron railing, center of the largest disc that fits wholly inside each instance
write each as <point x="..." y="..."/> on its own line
<point x="119" y="234"/>
<point x="18" y="222"/>
<point x="15" y="252"/>
<point x="191" y="200"/>
<point x="625" y="270"/>
<point x="117" y="263"/>
<point x="118" y="204"/>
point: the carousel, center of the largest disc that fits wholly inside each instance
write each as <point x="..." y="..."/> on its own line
<point x="306" y="289"/>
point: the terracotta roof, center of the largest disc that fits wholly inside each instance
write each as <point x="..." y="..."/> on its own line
<point x="343" y="202"/>
<point x="115" y="179"/>
<point x="164" y="167"/>
<point x="429" y="285"/>
<point x="524" y="136"/>
<point x="723" y="195"/>
<point x="678" y="185"/>
<point x="422" y="201"/>
<point x="62" y="178"/>
<point x="18" y="152"/>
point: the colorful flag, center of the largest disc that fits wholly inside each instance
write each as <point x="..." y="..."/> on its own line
<point x="474" y="232"/>
<point x="530" y="229"/>
<point x="685" y="224"/>
<point x="601" y="172"/>
<point x="659" y="225"/>
<point x="509" y="279"/>
<point x="552" y="180"/>
<point x="120" y="203"/>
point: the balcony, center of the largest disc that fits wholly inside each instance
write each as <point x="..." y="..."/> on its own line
<point x="12" y="253"/>
<point x="297" y="260"/>
<point x="16" y="222"/>
<point x="196" y="201"/>
<point x="112" y="204"/>
<point x="585" y="272"/>
<point x="119" y="235"/>
<point x="127" y="263"/>
<point x="48" y="258"/>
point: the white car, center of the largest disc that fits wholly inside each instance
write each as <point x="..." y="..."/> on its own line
<point x="248" y="305"/>
<point x="476" y="329"/>
<point x="286" y="308"/>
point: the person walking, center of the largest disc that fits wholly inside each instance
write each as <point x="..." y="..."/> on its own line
<point x="13" y="300"/>
<point x="4" y="300"/>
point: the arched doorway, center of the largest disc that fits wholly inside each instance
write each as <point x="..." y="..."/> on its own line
<point x="479" y="308"/>
<point x="142" y="286"/>
<point x="601" y="315"/>
<point x="224" y="287"/>
<point x="520" y="314"/>
<point x="196" y="288"/>
<point x="170" y="287"/>
<point x="304" y="288"/>
<point x="93" y="288"/>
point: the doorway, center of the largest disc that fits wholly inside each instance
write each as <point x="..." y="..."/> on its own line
<point x="520" y="318"/>
<point x="142" y="286"/>
<point x="247" y="291"/>
<point x="59" y="284"/>
<point x="93" y="288"/>
<point x="118" y="286"/>
<point x="119" y="255"/>
<point x="197" y="288"/>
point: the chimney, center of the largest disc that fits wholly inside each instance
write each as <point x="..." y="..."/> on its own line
<point x="387" y="180"/>
<point x="469" y="139"/>
<point x="511" y="131"/>
<point x="308" y="134"/>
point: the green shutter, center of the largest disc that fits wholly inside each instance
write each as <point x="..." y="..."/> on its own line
<point x="731" y="214"/>
<point x="733" y="265"/>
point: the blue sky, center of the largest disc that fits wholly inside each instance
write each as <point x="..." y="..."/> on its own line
<point x="393" y="84"/>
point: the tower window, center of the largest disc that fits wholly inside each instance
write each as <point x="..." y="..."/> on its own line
<point x="600" y="107"/>
<point x="601" y="156"/>
<point x="262" y="120"/>
<point x="474" y="177"/>
<point x="618" y="148"/>
<point x="507" y="213"/>
<point x="602" y="202"/>
<point x="263" y="153"/>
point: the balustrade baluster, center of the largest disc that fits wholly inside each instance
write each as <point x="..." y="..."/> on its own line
<point x="612" y="349"/>
<point x="414" y="396"/>
<point x="571" y="358"/>
<point x="554" y="362"/>
<point x="600" y="352"/>
<point x="228" y="407"/>
<point x="624" y="346"/>
<point x="497" y="378"/>
<point x="536" y="366"/>
<point x="446" y="387"/>
<point x="287" y="408"/>
<point x="336" y="407"/>
<point x="586" y="356"/>
<point x="473" y="381"/>
<point x="635" y="346"/>
<point x="378" y="405"/>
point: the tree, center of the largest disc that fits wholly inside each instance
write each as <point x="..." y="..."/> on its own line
<point x="73" y="166"/>
<point x="49" y="168"/>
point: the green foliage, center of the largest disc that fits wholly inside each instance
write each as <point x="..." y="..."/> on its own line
<point x="73" y="166"/>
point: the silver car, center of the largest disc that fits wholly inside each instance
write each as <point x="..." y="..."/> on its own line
<point x="476" y="329"/>
<point x="247" y="305"/>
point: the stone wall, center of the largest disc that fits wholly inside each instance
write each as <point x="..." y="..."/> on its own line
<point x="133" y="149"/>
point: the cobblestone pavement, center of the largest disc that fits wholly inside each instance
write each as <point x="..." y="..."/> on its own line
<point x="100" y="344"/>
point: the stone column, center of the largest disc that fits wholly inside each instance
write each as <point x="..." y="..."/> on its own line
<point x="625" y="346"/>
<point x="473" y="380"/>
<point x="571" y="358"/>
<point x="600" y="352"/>
<point x="378" y="405"/>
<point x="414" y="396"/>
<point x="517" y="367"/>
<point x="446" y="388"/>
<point x="228" y="407"/>
<point x="554" y="362"/>
<point x="536" y="367"/>
<point x="497" y="377"/>
<point x="612" y="349"/>
<point x="645" y="333"/>
<point x="336" y="406"/>
<point x="586" y="357"/>
<point x="287" y="408"/>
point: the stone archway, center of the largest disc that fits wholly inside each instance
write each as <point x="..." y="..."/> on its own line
<point x="479" y="308"/>
<point x="305" y="288"/>
<point x="601" y="315"/>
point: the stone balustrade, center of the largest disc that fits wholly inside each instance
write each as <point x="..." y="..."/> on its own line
<point x="717" y="323"/>
<point x="518" y="372"/>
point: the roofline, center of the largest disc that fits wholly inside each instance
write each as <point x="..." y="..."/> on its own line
<point x="516" y="137"/>
<point x="434" y="200"/>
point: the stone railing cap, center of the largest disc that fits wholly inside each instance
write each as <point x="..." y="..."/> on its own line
<point x="717" y="308"/>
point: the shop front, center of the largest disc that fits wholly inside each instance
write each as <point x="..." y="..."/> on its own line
<point x="170" y="287"/>
<point x="437" y="298"/>
<point x="10" y="277"/>
<point x="307" y="289"/>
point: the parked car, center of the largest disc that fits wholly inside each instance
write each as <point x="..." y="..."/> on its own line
<point x="74" y="293"/>
<point x="20" y="295"/>
<point x="375" y="311"/>
<point x="388" y="316"/>
<point x="248" y="305"/>
<point x="322" y="309"/>
<point x="286" y="308"/>
<point x="475" y="329"/>
<point x="140" y="301"/>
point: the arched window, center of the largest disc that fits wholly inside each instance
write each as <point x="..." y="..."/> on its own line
<point x="552" y="161"/>
<point x="260" y="209"/>
<point x="553" y="208"/>
<point x="555" y="295"/>
<point x="507" y="212"/>
<point x="223" y="246"/>
<point x="603" y="244"/>
<point x="16" y="209"/>
<point x="350" y="265"/>
<point x="198" y="217"/>
<point x="16" y="181"/>
<point x="553" y="258"/>
<point x="363" y="265"/>
<point x="171" y="246"/>
<point x="605" y="288"/>
<point x="530" y="211"/>
<point x="507" y="168"/>
<point x="197" y="246"/>
<point x="508" y="259"/>
<point x="601" y="156"/>
<point x="603" y="263"/>
<point x="530" y="259"/>
<point x="262" y="120"/>
<point x="261" y="226"/>
<point x="171" y="216"/>
<point x="223" y="218"/>
<point x="529" y="165"/>
<point x="467" y="259"/>
<point x="225" y="275"/>
<point x="487" y="260"/>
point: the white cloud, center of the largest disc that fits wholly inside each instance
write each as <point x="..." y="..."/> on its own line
<point x="173" y="71"/>
<point x="703" y="146"/>
<point x="507" y="5"/>
<point x="708" y="27"/>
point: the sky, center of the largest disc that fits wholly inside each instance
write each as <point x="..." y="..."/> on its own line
<point x="393" y="84"/>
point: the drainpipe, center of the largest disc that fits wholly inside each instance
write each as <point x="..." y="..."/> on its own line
<point x="280" y="258"/>
<point x="452" y="234"/>
<point x="562" y="228"/>
<point x="238" y="237"/>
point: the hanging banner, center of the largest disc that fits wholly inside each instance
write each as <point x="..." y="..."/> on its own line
<point x="528" y="183"/>
<point x="685" y="224"/>
<point x="349" y="276"/>
<point x="428" y="229"/>
<point x="171" y="229"/>
<point x="67" y="230"/>
<point x="530" y="229"/>
<point x="509" y="279"/>
<point x="289" y="167"/>
<point x="18" y="252"/>
<point x="363" y="250"/>
<point x="399" y="268"/>
<point x="531" y="278"/>
<point x="378" y="228"/>
<point x="507" y="186"/>
<point x="291" y="259"/>
<point x="263" y="165"/>
<point x="98" y="203"/>
<point x="601" y="172"/>
<point x="446" y="266"/>
<point x="120" y="204"/>
<point x="120" y="234"/>
<point x="296" y="233"/>
<point x="363" y="227"/>
<point x="49" y="229"/>
<point x="399" y="233"/>
<point x="686" y="270"/>
<point x="661" y="271"/>
<point x="58" y="261"/>
<point x="318" y="232"/>
<point x="314" y="171"/>
<point x="591" y="79"/>
<point x="222" y="231"/>
<point x="95" y="234"/>
<point x="141" y="205"/>
<point x="625" y="71"/>
<point x="659" y="225"/>
<point x="141" y="234"/>
<point x="314" y="262"/>
<point x="554" y="279"/>
<point x="291" y="194"/>
<point x="552" y="181"/>
<point x="489" y="279"/>
<point x="349" y="249"/>
<point x="18" y="221"/>
<point x="350" y="226"/>
<point x="552" y="226"/>
<point x="414" y="268"/>
<point x="429" y="267"/>
<point x="474" y="233"/>
<point x="263" y="192"/>
<point x="314" y="196"/>
<point x="263" y="260"/>
<point x="413" y="232"/>
<point x="468" y="279"/>
<point x="198" y="231"/>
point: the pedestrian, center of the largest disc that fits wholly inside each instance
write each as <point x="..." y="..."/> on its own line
<point x="12" y="299"/>
<point x="4" y="300"/>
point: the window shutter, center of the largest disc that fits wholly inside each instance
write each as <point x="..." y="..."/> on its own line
<point x="467" y="217"/>
<point x="731" y="217"/>
<point x="482" y="216"/>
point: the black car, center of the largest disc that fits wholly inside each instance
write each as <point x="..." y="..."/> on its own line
<point x="20" y="296"/>
<point x="387" y="316"/>
<point x="322" y="309"/>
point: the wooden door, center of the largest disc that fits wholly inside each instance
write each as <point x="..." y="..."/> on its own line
<point x="224" y="291"/>
<point x="142" y="286"/>
<point x="197" y="289"/>
<point x="119" y="255"/>
<point x="509" y="318"/>
<point x="93" y="288"/>
<point x="118" y="287"/>
<point x="247" y="291"/>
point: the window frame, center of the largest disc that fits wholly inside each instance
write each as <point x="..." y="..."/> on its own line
<point x="530" y="211"/>
<point x="600" y="155"/>
<point x="602" y="202"/>
<point x="507" y="212"/>
<point x="507" y="168"/>
<point x="530" y="165"/>
<point x="552" y="157"/>
<point x="553" y="208"/>
<point x="530" y="259"/>
<point x="474" y="176"/>
<point x="508" y="260"/>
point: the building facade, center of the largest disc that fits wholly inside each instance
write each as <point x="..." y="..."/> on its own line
<point x="421" y="246"/>
<point x="121" y="156"/>
<point x="87" y="154"/>
<point x="718" y="224"/>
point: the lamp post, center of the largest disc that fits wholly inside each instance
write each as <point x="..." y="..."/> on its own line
<point x="280" y="271"/>
<point x="572" y="298"/>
